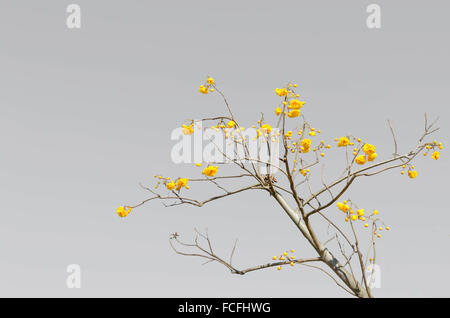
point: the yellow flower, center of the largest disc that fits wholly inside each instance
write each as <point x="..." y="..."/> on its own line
<point x="187" y="130"/>
<point x="343" y="207"/>
<point x="305" y="144"/>
<point x="274" y="258"/>
<point x="266" y="129"/>
<point x="360" y="212"/>
<point x="354" y="217"/>
<point x="295" y="104"/>
<point x="210" y="80"/>
<point x="412" y="174"/>
<point x="231" y="124"/>
<point x="369" y="149"/>
<point x="278" y="111"/>
<point x="181" y="183"/>
<point x="203" y="89"/>
<point x="170" y="185"/>
<point x="435" y="155"/>
<point x="361" y="159"/>
<point x="281" y="91"/>
<point x="123" y="211"/>
<point x="289" y="133"/>
<point x="294" y="113"/>
<point x="372" y="156"/>
<point x="210" y="171"/>
<point x="198" y="164"/>
<point x="312" y="133"/>
<point x="343" y="141"/>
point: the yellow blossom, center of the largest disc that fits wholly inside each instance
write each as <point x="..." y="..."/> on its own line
<point x="361" y="159"/>
<point x="123" y="211"/>
<point x="231" y="124"/>
<point x="203" y="89"/>
<point x="181" y="183"/>
<point x="278" y="111"/>
<point x="210" y="171"/>
<point x="343" y="141"/>
<point x="210" y="81"/>
<point x="294" y="113"/>
<point x="170" y="185"/>
<point x="369" y="149"/>
<point x="343" y="207"/>
<point x="372" y="156"/>
<point x="295" y="104"/>
<point x="435" y="155"/>
<point x="281" y="91"/>
<point x="412" y="174"/>
<point x="266" y="128"/>
<point x="187" y="130"/>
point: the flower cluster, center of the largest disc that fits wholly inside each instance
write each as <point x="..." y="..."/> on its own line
<point x="210" y="171"/>
<point x="286" y="258"/>
<point x="208" y="86"/>
<point x="187" y="130"/>
<point x="123" y="211"/>
<point x="172" y="184"/>
<point x="432" y="147"/>
<point x="354" y="214"/>
<point x="291" y="104"/>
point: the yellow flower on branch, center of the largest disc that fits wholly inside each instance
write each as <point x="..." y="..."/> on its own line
<point x="343" y="207"/>
<point x="123" y="211"/>
<point x="170" y="185"/>
<point x="305" y="144"/>
<point x="210" y="81"/>
<point x="278" y="111"/>
<point x="210" y="171"/>
<point x="361" y="159"/>
<point x="281" y="91"/>
<point x="369" y="149"/>
<point x="435" y="155"/>
<point x="343" y="141"/>
<point x="231" y="124"/>
<point x="182" y="182"/>
<point x="412" y="174"/>
<point x="266" y="128"/>
<point x="187" y="130"/>
<point x="203" y="89"/>
<point x="294" y="113"/>
<point x="295" y="104"/>
<point x="372" y="156"/>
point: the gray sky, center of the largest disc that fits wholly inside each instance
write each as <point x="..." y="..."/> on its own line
<point x="85" y="115"/>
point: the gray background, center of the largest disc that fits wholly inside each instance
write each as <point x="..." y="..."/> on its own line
<point x="85" y="115"/>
